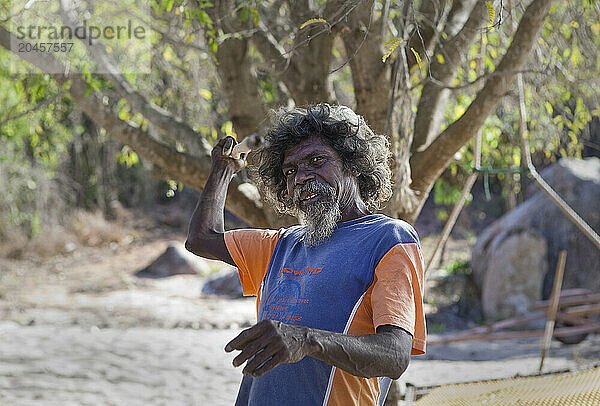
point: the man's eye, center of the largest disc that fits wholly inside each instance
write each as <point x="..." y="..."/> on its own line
<point x="289" y="172"/>
<point x="316" y="159"/>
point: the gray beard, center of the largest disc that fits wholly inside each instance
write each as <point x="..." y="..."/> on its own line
<point x="319" y="219"/>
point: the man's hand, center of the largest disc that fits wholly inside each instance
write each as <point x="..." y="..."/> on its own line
<point x="221" y="157"/>
<point x="271" y="343"/>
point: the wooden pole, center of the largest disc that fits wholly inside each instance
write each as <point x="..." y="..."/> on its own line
<point x="451" y="220"/>
<point x="558" y="278"/>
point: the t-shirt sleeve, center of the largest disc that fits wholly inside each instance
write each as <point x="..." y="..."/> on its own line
<point x="397" y="297"/>
<point x="251" y="250"/>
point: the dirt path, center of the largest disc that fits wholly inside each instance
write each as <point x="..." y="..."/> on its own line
<point x="47" y="365"/>
<point x="81" y="330"/>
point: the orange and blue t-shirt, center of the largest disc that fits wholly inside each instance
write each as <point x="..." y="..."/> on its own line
<point x="369" y="273"/>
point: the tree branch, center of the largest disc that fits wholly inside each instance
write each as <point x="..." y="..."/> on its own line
<point x="44" y="102"/>
<point x="429" y="164"/>
<point x="376" y="28"/>
<point x="269" y="48"/>
<point x="304" y="68"/>
<point x="157" y="116"/>
<point x="434" y="98"/>
<point x="185" y="168"/>
<point x="240" y="87"/>
<point x="307" y="76"/>
<point x="451" y="23"/>
<point x="545" y="71"/>
<point x="431" y="11"/>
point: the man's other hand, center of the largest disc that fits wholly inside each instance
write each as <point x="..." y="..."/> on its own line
<point x="270" y="343"/>
<point x="221" y="158"/>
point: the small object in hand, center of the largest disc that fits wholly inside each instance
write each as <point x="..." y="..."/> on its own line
<point x="253" y="141"/>
<point x="228" y="146"/>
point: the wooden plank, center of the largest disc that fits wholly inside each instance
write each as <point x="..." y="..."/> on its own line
<point x="571" y="331"/>
<point x="552" y="309"/>
<point x="573" y="320"/>
<point x="589" y="298"/>
<point x="515" y="321"/>
<point x="489" y="328"/>
<point x="583" y="310"/>
<point x="504" y="335"/>
<point x="574" y="292"/>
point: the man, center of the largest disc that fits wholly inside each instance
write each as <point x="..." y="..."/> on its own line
<point x="340" y="297"/>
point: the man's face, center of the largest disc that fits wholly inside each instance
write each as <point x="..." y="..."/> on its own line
<point x="319" y="187"/>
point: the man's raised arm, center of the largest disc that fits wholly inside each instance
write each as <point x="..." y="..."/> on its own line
<point x="205" y="234"/>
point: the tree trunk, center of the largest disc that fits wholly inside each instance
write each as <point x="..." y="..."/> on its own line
<point x="370" y="76"/>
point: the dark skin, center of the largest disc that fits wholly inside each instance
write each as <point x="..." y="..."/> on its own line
<point x="314" y="160"/>
<point x="385" y="353"/>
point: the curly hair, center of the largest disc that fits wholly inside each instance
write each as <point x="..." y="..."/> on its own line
<point x="363" y="153"/>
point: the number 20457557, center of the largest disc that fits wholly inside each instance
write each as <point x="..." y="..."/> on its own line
<point x="45" y="47"/>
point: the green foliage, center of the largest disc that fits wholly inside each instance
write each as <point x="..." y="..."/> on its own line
<point x="127" y="157"/>
<point x="417" y="56"/>
<point x="268" y="91"/>
<point x="570" y="40"/>
<point x="491" y="11"/>
<point x="446" y="193"/>
<point x="32" y="118"/>
<point x="25" y="194"/>
<point x="173" y="187"/>
<point x="250" y="13"/>
<point x="436" y="327"/>
<point x="458" y="268"/>
<point x="560" y="100"/>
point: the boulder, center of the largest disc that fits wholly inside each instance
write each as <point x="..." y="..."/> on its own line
<point x="509" y="255"/>
<point x="176" y="260"/>
<point x="507" y="289"/>
<point x="225" y="283"/>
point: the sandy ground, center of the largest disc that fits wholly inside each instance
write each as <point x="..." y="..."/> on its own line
<point x="80" y="329"/>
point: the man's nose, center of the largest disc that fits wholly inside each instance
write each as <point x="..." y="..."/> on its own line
<point x="303" y="175"/>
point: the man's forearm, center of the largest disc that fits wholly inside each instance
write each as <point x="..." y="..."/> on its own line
<point x="205" y="235"/>
<point x="270" y="343"/>
<point x="208" y="215"/>
<point x="371" y="355"/>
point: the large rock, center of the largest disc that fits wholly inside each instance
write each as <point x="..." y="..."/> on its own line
<point x="176" y="260"/>
<point x="512" y="245"/>
<point x="225" y="283"/>
<point x="507" y="289"/>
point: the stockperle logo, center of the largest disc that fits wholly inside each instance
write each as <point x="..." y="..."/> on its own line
<point x="59" y="36"/>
